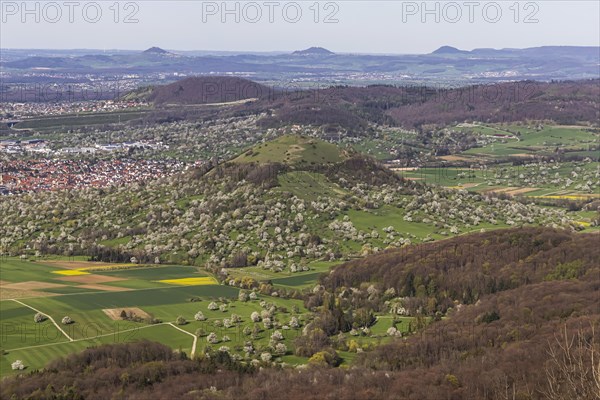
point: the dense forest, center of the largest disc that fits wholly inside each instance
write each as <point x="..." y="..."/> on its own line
<point x="506" y="315"/>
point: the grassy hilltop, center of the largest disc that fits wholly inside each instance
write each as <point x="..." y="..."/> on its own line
<point x="294" y="150"/>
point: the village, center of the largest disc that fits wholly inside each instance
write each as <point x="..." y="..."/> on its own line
<point x="14" y="111"/>
<point x="19" y="176"/>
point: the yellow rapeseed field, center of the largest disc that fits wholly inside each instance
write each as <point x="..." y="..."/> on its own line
<point x="70" y="272"/>
<point x="205" y="280"/>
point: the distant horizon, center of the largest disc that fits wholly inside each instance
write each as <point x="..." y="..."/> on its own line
<point x="360" y="27"/>
<point x="287" y="51"/>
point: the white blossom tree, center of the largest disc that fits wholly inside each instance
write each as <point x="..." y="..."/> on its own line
<point x="199" y="316"/>
<point x="18" y="365"/>
<point x="212" y="338"/>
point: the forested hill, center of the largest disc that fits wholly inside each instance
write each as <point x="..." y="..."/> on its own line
<point x="207" y="90"/>
<point x="467" y="267"/>
<point x="353" y="109"/>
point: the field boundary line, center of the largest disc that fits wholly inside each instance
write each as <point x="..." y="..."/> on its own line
<point x="191" y="334"/>
<point x="49" y="317"/>
<point x="83" y="339"/>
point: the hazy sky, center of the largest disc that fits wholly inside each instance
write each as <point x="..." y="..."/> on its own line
<point x="342" y="26"/>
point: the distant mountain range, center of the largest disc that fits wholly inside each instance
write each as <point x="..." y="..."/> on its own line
<point x="445" y="65"/>
<point x="556" y="51"/>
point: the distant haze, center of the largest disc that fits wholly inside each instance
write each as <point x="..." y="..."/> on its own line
<point x="392" y="27"/>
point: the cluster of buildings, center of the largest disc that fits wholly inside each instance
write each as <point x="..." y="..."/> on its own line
<point x="13" y="111"/>
<point x="19" y="176"/>
<point x="24" y="146"/>
<point x="40" y="146"/>
<point x="112" y="147"/>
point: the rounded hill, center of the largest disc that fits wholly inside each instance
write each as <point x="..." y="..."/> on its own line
<point x="314" y="51"/>
<point x="208" y="90"/>
<point x="294" y="150"/>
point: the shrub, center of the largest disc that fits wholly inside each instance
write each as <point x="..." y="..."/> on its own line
<point x="353" y="346"/>
<point x="328" y="357"/>
<point x="452" y="380"/>
<point x="200" y="332"/>
<point x="490" y="317"/>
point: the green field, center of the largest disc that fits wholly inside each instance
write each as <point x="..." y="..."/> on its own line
<point x="525" y="140"/>
<point x="83" y="119"/>
<point x="156" y="273"/>
<point x="37" y="288"/>
<point x="531" y="179"/>
<point x="298" y="281"/>
<point x="286" y="279"/>
<point x="36" y="344"/>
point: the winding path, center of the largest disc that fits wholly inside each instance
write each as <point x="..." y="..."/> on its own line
<point x="49" y="317"/>
<point x="188" y="333"/>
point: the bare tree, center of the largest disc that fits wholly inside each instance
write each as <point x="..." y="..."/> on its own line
<point x="573" y="367"/>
